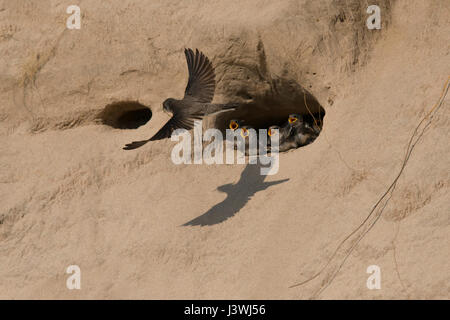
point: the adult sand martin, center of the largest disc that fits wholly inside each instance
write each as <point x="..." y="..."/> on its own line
<point x="196" y="102"/>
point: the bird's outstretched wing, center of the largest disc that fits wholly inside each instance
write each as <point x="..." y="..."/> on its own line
<point x="200" y="88"/>
<point x="201" y="83"/>
<point x="179" y="120"/>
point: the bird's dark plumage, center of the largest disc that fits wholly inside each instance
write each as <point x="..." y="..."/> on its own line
<point x="202" y="82"/>
<point x="196" y="102"/>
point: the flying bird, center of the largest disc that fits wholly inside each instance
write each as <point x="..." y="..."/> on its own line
<point x="196" y="102"/>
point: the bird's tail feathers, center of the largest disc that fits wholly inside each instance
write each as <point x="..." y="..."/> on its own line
<point x="135" y="144"/>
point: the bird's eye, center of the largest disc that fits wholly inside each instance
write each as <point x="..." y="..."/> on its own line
<point x="244" y="133"/>
<point x="270" y="132"/>
<point x="292" y="119"/>
<point x="233" y="125"/>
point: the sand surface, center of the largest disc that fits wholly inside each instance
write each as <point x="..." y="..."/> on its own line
<point x="69" y="194"/>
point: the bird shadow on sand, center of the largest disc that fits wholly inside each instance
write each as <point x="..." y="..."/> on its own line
<point x="238" y="194"/>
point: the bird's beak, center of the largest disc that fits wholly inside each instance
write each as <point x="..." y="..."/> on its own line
<point x="233" y="125"/>
<point x="244" y="133"/>
<point x="292" y="119"/>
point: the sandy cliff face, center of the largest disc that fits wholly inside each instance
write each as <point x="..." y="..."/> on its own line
<point x="70" y="195"/>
